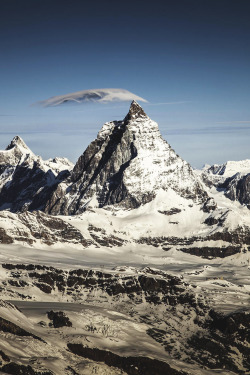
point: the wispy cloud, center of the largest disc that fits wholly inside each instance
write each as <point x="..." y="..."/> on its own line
<point x="233" y="122"/>
<point x="170" y="103"/>
<point x="93" y="95"/>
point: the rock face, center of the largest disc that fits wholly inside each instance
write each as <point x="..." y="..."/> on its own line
<point x="37" y="227"/>
<point x="233" y="178"/>
<point x="126" y="165"/>
<point x="27" y="181"/>
<point x="237" y="188"/>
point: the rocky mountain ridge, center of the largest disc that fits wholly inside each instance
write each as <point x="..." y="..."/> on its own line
<point x="26" y="180"/>
<point x="126" y="165"/>
<point x="233" y="178"/>
<point x="129" y="186"/>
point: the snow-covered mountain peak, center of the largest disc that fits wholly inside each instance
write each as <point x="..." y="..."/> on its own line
<point x="230" y="168"/>
<point x="126" y="165"/>
<point x="16" y="153"/>
<point x="135" y="111"/>
<point x="18" y="142"/>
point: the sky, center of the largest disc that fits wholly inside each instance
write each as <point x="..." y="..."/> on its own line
<point x="190" y="59"/>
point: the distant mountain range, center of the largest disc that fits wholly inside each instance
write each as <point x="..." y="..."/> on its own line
<point x="128" y="262"/>
<point x="131" y="177"/>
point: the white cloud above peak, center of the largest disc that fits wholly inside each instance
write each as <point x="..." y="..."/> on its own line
<point x="92" y="95"/>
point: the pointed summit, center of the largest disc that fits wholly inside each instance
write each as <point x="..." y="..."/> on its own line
<point x="127" y="165"/>
<point x="135" y="112"/>
<point x="17" y="141"/>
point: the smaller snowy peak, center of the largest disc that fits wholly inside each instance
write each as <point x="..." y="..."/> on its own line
<point x="230" y="168"/>
<point x="15" y="153"/>
<point x="17" y="141"/>
<point x="135" y="112"/>
<point x="59" y="164"/>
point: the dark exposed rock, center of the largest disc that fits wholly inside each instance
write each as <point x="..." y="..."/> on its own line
<point x="132" y="365"/>
<point x="4" y="237"/>
<point x="211" y="221"/>
<point x="228" y="334"/>
<point x="173" y="211"/>
<point x="209" y="205"/>
<point x="237" y="323"/>
<point x="238" y="238"/>
<point x="4" y="356"/>
<point x="49" y="229"/>
<point x="212" y="252"/>
<point x="107" y="241"/>
<point x="28" y="267"/>
<point x="156" y="287"/>
<point x="16" y="369"/>
<point x="59" y="319"/>
<point x="44" y="287"/>
<point x="18" y="283"/>
<point x="72" y="371"/>
<point x="237" y="188"/>
<point x="7" y="326"/>
<point x="135" y="111"/>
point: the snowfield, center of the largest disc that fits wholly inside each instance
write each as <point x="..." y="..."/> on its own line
<point x="129" y="262"/>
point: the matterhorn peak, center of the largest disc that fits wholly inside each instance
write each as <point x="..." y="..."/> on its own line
<point x="135" y="112"/>
<point x="127" y="165"/>
<point x="17" y="141"/>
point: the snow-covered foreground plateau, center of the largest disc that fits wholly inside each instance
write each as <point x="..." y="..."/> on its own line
<point x="135" y="302"/>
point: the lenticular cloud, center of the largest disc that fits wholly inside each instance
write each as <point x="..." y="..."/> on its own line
<point x="93" y="95"/>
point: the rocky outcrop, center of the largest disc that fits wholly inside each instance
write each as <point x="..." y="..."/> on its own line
<point x="237" y="188"/>
<point x="32" y="227"/>
<point x="132" y="365"/>
<point x="7" y="326"/>
<point x="228" y="335"/>
<point x="17" y="369"/>
<point x="154" y="287"/>
<point x="59" y="319"/>
<point x="233" y="178"/>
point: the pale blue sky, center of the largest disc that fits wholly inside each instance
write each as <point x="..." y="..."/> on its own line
<point x="194" y="54"/>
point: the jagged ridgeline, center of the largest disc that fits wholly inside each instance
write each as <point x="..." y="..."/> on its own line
<point x="129" y="166"/>
<point x="126" y="165"/>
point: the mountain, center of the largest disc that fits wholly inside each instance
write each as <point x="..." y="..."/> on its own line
<point x="130" y="262"/>
<point x="27" y="181"/>
<point x="233" y="178"/>
<point x="126" y="165"/>
<point x="128" y="187"/>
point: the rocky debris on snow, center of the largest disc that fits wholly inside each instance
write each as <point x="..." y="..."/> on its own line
<point x="7" y="326"/>
<point x="32" y="227"/>
<point x="17" y="369"/>
<point x="59" y="319"/>
<point x="132" y="365"/>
